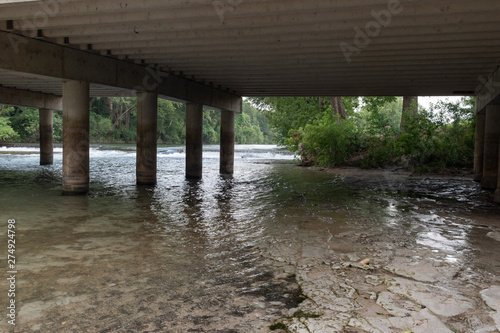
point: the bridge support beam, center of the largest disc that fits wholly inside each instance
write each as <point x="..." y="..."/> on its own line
<point x="227" y="142"/>
<point x="46" y="137"/>
<point x="491" y="148"/>
<point x="147" y="111"/>
<point x="194" y="141"/>
<point x="76" y="111"/>
<point x="479" y="147"/>
<point x="497" y="192"/>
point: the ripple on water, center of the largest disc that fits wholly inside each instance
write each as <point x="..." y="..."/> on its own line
<point x="215" y="254"/>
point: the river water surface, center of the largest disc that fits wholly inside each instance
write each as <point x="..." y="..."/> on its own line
<point x="227" y="254"/>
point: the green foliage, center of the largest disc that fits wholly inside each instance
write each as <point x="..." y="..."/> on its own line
<point x="378" y="114"/>
<point x="24" y="122"/>
<point x="289" y="115"/>
<point x="440" y="138"/>
<point x="211" y="126"/>
<point x="433" y="140"/>
<point x="331" y="143"/>
<point x="99" y="127"/>
<point x="115" y="120"/>
<point x="6" y="132"/>
<point x="57" y="128"/>
<point x="171" y="122"/>
<point x="380" y="150"/>
<point x="277" y="326"/>
<point x="252" y="126"/>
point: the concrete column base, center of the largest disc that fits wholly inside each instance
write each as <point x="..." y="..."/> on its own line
<point x="76" y="111"/>
<point x="491" y="148"/>
<point x="146" y="163"/>
<point x="194" y="141"/>
<point x="227" y="143"/>
<point x="46" y="137"/>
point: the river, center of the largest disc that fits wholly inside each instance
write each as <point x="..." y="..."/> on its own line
<point x="227" y="254"/>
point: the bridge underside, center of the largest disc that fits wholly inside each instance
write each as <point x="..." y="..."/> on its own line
<point x="283" y="47"/>
<point x="212" y="52"/>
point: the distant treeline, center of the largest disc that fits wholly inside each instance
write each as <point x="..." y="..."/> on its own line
<point x="370" y="132"/>
<point x="113" y="120"/>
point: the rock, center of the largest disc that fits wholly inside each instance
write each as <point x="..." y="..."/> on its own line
<point x="365" y="261"/>
<point x="423" y="270"/>
<point x="440" y="301"/>
<point x="494" y="235"/>
<point x="491" y="297"/>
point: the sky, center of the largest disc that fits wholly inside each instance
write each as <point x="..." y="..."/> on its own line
<point x="425" y="101"/>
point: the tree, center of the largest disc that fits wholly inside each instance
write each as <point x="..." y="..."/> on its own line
<point x="338" y="108"/>
<point x="6" y="131"/>
<point x="288" y="116"/>
<point x="410" y="109"/>
<point x="25" y="122"/>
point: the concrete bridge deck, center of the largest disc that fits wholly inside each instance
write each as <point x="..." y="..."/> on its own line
<point x="212" y="52"/>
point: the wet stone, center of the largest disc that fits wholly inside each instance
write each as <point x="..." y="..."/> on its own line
<point x="440" y="301"/>
<point x="495" y="235"/>
<point x="422" y="269"/>
<point x="424" y="322"/>
<point x="491" y="297"/>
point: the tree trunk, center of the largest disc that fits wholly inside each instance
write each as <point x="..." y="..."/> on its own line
<point x="108" y="104"/>
<point x="119" y="120"/>
<point x="410" y="108"/>
<point x="127" y="120"/>
<point x="119" y="115"/>
<point x="338" y="107"/>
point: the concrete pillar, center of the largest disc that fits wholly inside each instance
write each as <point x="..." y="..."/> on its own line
<point x="227" y="142"/>
<point x="194" y="140"/>
<point x="46" y="137"/>
<point x="497" y="192"/>
<point x="76" y="111"/>
<point x="491" y="147"/>
<point x="147" y="111"/>
<point x="479" y="147"/>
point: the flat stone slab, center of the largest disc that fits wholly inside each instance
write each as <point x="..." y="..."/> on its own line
<point x="491" y="297"/>
<point x="424" y="322"/>
<point x="439" y="300"/>
<point x="423" y="270"/>
<point x="403" y="315"/>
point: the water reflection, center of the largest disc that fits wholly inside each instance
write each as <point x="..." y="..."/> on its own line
<point x="203" y="255"/>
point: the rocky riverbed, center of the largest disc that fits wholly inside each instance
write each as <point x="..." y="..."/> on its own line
<point x="429" y="264"/>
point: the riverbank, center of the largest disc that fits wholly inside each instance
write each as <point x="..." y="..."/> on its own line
<point x="429" y="265"/>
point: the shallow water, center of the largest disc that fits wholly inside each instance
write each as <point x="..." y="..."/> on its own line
<point x="222" y="254"/>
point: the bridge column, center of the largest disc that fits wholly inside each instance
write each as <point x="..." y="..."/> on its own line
<point x="76" y="111"/>
<point x="227" y="142"/>
<point x="497" y="192"/>
<point x="147" y="111"/>
<point x="479" y="147"/>
<point x="46" y="137"/>
<point x="194" y="140"/>
<point x="491" y="147"/>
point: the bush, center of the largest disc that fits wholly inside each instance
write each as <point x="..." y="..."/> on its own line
<point x="330" y="144"/>
<point x="99" y="127"/>
<point x="439" y="139"/>
<point x="380" y="152"/>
